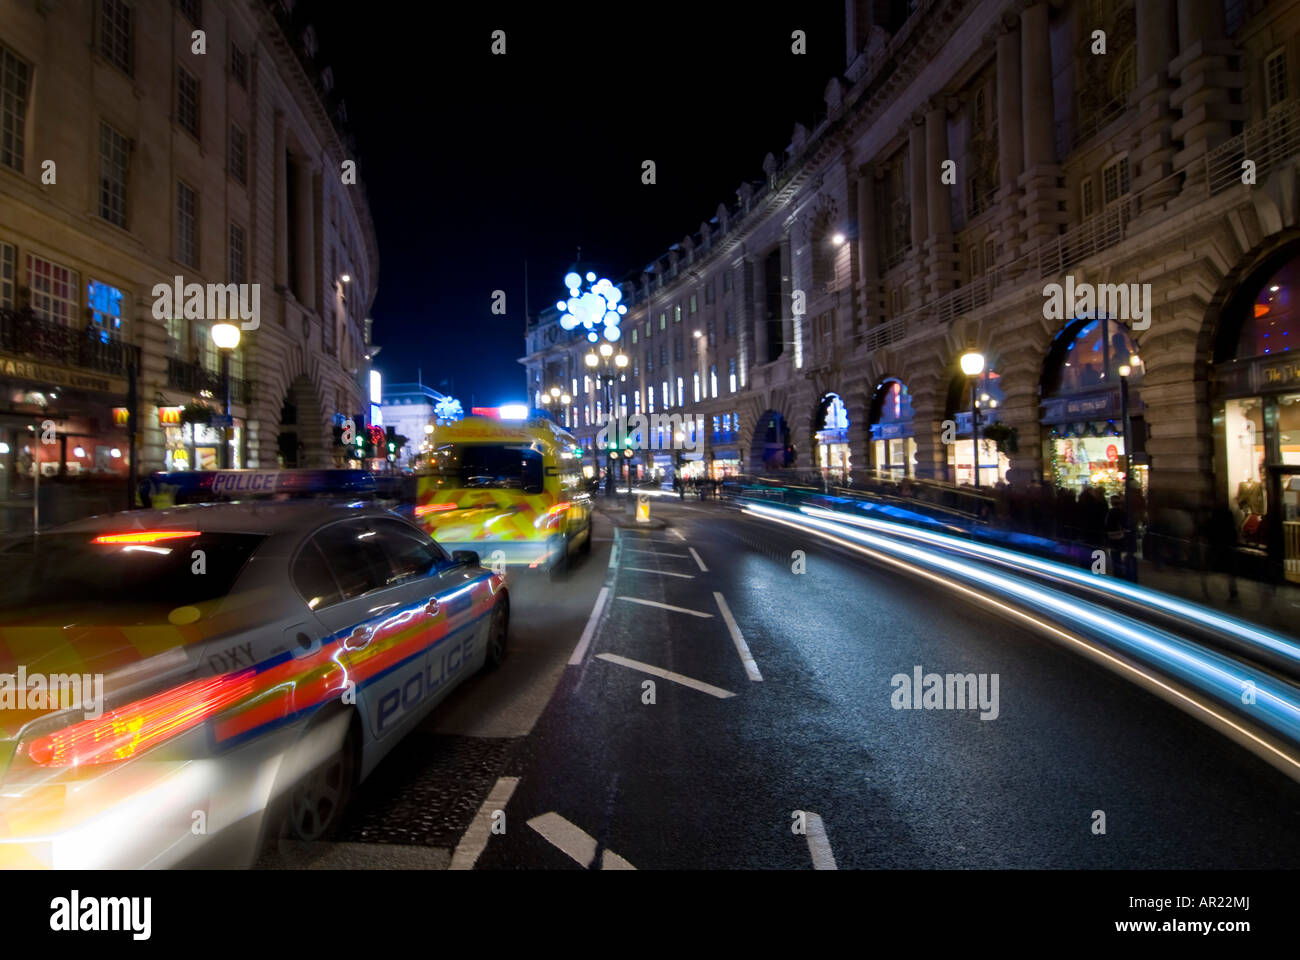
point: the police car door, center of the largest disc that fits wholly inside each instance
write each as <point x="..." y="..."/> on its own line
<point x="455" y="639"/>
<point x="380" y="620"/>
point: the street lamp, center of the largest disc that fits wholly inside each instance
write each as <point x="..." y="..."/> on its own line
<point x="226" y="338"/>
<point x="972" y="364"/>
<point x="1130" y="534"/>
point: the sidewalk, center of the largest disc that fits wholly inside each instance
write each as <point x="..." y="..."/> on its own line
<point x="615" y="511"/>
<point x="1276" y="606"/>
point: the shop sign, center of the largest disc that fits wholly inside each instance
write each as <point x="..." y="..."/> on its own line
<point x="1278" y="374"/>
<point x="1097" y="406"/>
<point x="169" y="416"/>
<point x="890" y="431"/>
<point x="59" y="376"/>
<point x="120" y="416"/>
<point x="725" y="455"/>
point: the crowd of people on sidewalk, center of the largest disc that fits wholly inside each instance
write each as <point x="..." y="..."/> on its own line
<point x="705" y="488"/>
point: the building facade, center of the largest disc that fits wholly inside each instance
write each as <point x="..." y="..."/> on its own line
<point x="1091" y="194"/>
<point x="412" y="409"/>
<point x="146" y="144"/>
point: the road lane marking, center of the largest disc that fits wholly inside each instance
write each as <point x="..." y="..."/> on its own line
<point x="676" y="533"/>
<point x="665" y="606"/>
<point x="737" y="638"/>
<point x="575" y="842"/>
<point x="589" y="631"/>
<point x="703" y="568"/>
<point x="474" y="841"/>
<point x="614" y="551"/>
<point x="818" y="845"/>
<point x="657" y="553"/>
<point x="654" y="671"/>
<point x="662" y="573"/>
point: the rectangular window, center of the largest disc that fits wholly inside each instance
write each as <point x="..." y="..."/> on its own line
<point x="667" y="400"/>
<point x="731" y="373"/>
<point x="663" y="355"/>
<point x="729" y="324"/>
<point x="15" y="82"/>
<point x="634" y="333"/>
<point x="1087" y="203"/>
<point x="105" y="304"/>
<point x="238" y="154"/>
<point x="712" y="329"/>
<point x="693" y="303"/>
<point x="663" y="321"/>
<point x="187" y="225"/>
<point x="713" y="379"/>
<point x="113" y="155"/>
<point x="1275" y="79"/>
<point x="1114" y="180"/>
<point x="681" y="392"/>
<point x="53" y="290"/>
<point x="708" y="292"/>
<point x="973" y="261"/>
<point x="677" y="313"/>
<point x="8" y="271"/>
<point x="726" y="282"/>
<point x="208" y="355"/>
<point x="990" y="253"/>
<point x="192" y="10"/>
<point x="239" y="65"/>
<point x="176" y="336"/>
<point x="115" y="31"/>
<point x="187" y="100"/>
<point x="696" y="379"/>
<point x="238" y="250"/>
<point x="677" y="350"/>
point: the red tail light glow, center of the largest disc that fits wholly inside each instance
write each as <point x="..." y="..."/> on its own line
<point x="428" y="508"/>
<point x="145" y="536"/>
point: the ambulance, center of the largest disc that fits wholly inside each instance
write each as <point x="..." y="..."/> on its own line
<point x="513" y="491"/>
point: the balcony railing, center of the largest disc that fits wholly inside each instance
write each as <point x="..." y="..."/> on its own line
<point x="195" y="378"/>
<point x="24" y="334"/>
<point x="1269" y="143"/>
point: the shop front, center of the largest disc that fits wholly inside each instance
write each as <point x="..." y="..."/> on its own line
<point x="1091" y="370"/>
<point x="988" y="401"/>
<point x="831" y="438"/>
<point x="192" y="442"/>
<point x="725" y="463"/>
<point x="893" y="434"/>
<point x="1255" y="397"/>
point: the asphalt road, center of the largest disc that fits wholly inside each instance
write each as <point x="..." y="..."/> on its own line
<point x="680" y="740"/>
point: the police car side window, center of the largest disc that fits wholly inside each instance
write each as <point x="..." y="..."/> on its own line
<point x="355" y="556"/>
<point x="411" y="554"/>
<point x="313" y="579"/>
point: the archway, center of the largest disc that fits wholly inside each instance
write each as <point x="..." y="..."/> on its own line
<point x="830" y="431"/>
<point x="299" y="443"/>
<point x="1083" y="408"/>
<point x="893" y="434"/>
<point x="770" y="447"/>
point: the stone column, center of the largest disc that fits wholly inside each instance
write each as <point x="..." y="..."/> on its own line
<point x="1020" y="371"/>
<point x="928" y="395"/>
<point x="1152" y="160"/>
<point x="1043" y="197"/>
<point x="919" y="212"/>
<point x="305" y="245"/>
<point x="1205" y="86"/>
<point x="788" y="325"/>
<point x="281" y="205"/>
<point x="941" y="261"/>
<point x="756" y="311"/>
<point x="1010" y="136"/>
<point x="870" y="306"/>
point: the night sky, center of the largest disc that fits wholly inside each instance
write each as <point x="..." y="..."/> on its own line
<point x="474" y="163"/>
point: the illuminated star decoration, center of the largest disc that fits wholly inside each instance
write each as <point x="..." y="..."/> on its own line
<point x="596" y="309"/>
<point x="448" y="408"/>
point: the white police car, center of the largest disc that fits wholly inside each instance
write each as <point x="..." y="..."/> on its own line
<point x="178" y="684"/>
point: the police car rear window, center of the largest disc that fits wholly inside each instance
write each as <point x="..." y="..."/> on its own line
<point x="149" y="578"/>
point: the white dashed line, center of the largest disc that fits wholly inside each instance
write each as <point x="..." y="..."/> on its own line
<point x="575" y="842"/>
<point x="818" y="845"/>
<point x="742" y="647"/>
<point x="662" y="573"/>
<point x="654" y="671"/>
<point x="665" y="606"/>
<point x="589" y="631"/>
<point x="474" y="841"/>
<point x="676" y="533"/>
<point x="703" y="568"/>
<point x="657" y="553"/>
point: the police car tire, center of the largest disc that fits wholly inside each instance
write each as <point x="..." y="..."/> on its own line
<point x="498" y="638"/>
<point x="339" y="771"/>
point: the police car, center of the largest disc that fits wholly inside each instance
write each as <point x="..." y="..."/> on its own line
<point x="181" y="684"/>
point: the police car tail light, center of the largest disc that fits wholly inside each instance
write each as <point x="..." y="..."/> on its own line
<point x="135" y="727"/>
<point x="145" y="536"/>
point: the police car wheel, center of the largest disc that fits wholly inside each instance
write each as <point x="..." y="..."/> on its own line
<point x="497" y="635"/>
<point x="318" y="800"/>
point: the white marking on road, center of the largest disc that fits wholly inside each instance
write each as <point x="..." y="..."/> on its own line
<point x="662" y="573"/>
<point x="676" y="533"/>
<point x="738" y="639"/>
<point x="613" y="554"/>
<point x="818" y="845"/>
<point x="703" y="568"/>
<point x="665" y="606"/>
<point x="589" y="630"/>
<point x="666" y="675"/>
<point x="572" y="840"/>
<point x="474" y="841"/>
<point x="657" y="553"/>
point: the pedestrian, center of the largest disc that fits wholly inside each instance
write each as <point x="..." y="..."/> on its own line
<point x="678" y="486"/>
<point x="1117" y="533"/>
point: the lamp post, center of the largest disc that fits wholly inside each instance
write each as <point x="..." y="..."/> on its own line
<point x="972" y="364"/>
<point x="1130" y="534"/>
<point x="606" y="364"/>
<point x="226" y="338"/>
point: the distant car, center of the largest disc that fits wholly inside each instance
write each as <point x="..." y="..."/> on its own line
<point x="258" y="660"/>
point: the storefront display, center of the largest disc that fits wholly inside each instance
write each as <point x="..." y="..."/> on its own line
<point x="832" y="440"/>
<point x="893" y="438"/>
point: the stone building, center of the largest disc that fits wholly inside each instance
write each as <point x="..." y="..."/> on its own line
<point x="143" y="141"/>
<point x="982" y="174"/>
